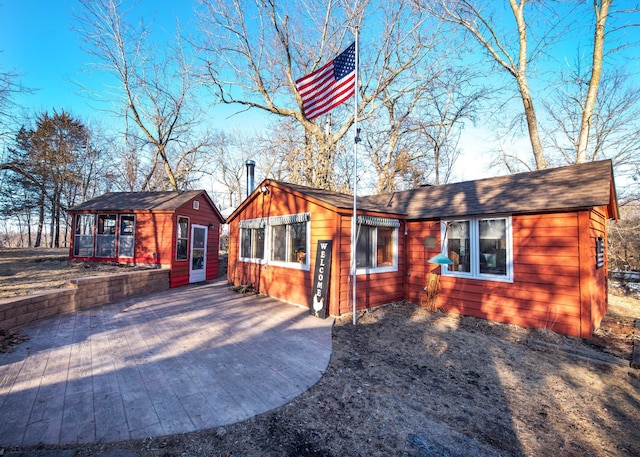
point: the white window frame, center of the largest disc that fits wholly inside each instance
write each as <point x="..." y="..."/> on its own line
<point x="474" y="247"/>
<point x="253" y="225"/>
<point x="268" y="245"/>
<point x="371" y="222"/>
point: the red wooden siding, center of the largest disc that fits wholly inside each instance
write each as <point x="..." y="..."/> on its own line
<point x="204" y="215"/>
<point x="556" y="284"/>
<point x="289" y="284"/>
<point x="155" y="238"/>
<point x="373" y="289"/>
<point x="552" y="280"/>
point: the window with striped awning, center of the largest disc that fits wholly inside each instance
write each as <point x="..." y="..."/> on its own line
<point x="290" y="219"/>
<point x="253" y="223"/>
<point x="378" y="221"/>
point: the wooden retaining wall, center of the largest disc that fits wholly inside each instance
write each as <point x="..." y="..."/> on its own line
<point x="79" y="293"/>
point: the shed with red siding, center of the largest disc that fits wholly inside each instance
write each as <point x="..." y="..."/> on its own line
<point x="175" y="230"/>
<point x="528" y="249"/>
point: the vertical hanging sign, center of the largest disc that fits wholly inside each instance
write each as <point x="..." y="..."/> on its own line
<point x="322" y="272"/>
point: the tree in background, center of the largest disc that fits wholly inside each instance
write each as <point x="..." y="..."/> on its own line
<point x="523" y="42"/>
<point x="52" y="166"/>
<point x="255" y="51"/>
<point x="157" y="96"/>
<point x="9" y="86"/>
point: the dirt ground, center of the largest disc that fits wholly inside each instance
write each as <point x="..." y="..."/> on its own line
<point x="405" y="381"/>
<point x="26" y="271"/>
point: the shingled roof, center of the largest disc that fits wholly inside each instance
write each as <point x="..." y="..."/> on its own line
<point x="572" y="187"/>
<point x="138" y="201"/>
<point x="335" y="199"/>
<point x="576" y="186"/>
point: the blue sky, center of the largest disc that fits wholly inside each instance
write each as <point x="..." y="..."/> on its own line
<point x="37" y="41"/>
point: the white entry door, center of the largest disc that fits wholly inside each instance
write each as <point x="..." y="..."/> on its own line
<point x="198" y="266"/>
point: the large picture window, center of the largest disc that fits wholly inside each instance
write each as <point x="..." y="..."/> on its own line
<point x="252" y="240"/>
<point x="83" y="238"/>
<point x="479" y="248"/>
<point x="377" y="245"/>
<point x="106" y="235"/>
<point x="290" y="239"/>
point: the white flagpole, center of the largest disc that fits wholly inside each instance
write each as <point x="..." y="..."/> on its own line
<point x="354" y="223"/>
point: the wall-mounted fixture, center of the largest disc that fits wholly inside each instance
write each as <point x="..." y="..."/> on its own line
<point x="211" y="226"/>
<point x="441" y="258"/>
<point x="264" y="189"/>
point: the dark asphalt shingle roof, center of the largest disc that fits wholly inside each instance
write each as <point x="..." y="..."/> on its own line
<point x="335" y="199"/>
<point x="577" y="186"/>
<point x="136" y="201"/>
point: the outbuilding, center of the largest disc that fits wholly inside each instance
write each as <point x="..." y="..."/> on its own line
<point x="175" y="230"/>
<point x="528" y="249"/>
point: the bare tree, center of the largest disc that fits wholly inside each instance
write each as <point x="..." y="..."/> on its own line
<point x="10" y="85"/>
<point x="229" y="159"/>
<point x="157" y="93"/>
<point x="255" y="51"/>
<point x="533" y="38"/>
<point x="511" y="54"/>
<point x="614" y="130"/>
<point x="601" y="10"/>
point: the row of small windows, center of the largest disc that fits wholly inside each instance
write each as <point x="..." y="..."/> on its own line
<point x="285" y="239"/>
<point x="288" y="240"/>
<point x="104" y="235"/>
<point x="479" y="248"/>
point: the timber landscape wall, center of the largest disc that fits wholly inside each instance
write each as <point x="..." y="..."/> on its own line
<point x="78" y="294"/>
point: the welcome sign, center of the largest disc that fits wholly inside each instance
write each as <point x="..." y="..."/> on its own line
<point x="322" y="273"/>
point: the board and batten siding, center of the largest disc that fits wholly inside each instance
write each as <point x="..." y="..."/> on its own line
<point x="551" y="284"/>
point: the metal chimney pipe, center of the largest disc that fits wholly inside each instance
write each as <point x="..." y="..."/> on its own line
<point x="251" y="166"/>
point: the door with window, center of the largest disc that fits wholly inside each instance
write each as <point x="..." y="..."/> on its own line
<point x="198" y="265"/>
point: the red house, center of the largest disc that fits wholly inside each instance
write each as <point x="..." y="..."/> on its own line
<point x="527" y="249"/>
<point x="175" y="230"/>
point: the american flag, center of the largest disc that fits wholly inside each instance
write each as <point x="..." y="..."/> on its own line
<point x="331" y="85"/>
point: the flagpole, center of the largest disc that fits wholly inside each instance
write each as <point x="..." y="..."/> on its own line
<point x="356" y="140"/>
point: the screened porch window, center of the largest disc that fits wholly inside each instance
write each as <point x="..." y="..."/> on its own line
<point x="106" y="235"/>
<point x="126" y="240"/>
<point x="83" y="238"/>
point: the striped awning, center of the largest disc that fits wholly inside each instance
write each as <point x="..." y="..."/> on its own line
<point x="289" y="219"/>
<point x="378" y="221"/>
<point x="253" y="223"/>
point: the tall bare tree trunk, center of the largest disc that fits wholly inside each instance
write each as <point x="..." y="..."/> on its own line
<point x="532" y="125"/>
<point x="596" y="71"/>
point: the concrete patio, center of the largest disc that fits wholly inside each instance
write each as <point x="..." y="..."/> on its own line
<point x="182" y="360"/>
